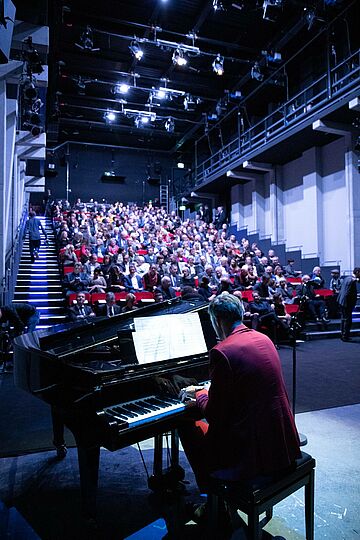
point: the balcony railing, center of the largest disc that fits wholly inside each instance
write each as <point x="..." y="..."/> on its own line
<point x="315" y="97"/>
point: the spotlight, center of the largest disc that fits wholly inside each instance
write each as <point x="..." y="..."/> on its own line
<point x="170" y="125"/>
<point x="160" y="94"/>
<point x="179" y="58"/>
<point x="32" y="57"/>
<point x="189" y="103"/>
<point x="32" y="117"/>
<point x="86" y="41"/>
<point x="256" y="72"/>
<point x="30" y="90"/>
<point x="180" y="165"/>
<point x="136" y="50"/>
<point x="110" y="116"/>
<point x="218" y="65"/>
<point x="218" y="5"/>
<point x="121" y="88"/>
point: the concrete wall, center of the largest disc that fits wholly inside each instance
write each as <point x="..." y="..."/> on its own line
<point x="312" y="202"/>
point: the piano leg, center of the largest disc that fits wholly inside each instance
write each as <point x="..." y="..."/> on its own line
<point x="89" y="472"/>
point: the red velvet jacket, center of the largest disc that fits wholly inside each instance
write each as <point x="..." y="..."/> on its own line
<point x="251" y="427"/>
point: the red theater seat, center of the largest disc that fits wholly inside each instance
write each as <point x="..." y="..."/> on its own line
<point x="293" y="279"/>
<point x="292" y="308"/>
<point x="324" y="292"/>
<point x="98" y="297"/>
<point x="145" y="297"/>
<point x="247" y="296"/>
<point x="72" y="298"/>
<point x="68" y="269"/>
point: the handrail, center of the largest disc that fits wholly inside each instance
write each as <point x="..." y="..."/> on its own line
<point x="311" y="98"/>
<point x="13" y="260"/>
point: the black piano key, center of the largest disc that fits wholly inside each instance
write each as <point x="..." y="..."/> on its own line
<point x="151" y="405"/>
<point x="125" y="411"/>
<point x="116" y="415"/>
<point x="143" y="405"/>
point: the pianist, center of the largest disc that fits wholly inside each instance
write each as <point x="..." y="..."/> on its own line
<point x="249" y="429"/>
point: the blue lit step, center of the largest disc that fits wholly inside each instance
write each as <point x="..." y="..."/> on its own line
<point x="41" y="300"/>
<point x="28" y="282"/>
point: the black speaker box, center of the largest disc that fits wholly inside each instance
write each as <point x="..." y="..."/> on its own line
<point x="153" y="181"/>
<point x="35" y="167"/>
<point x="117" y="179"/>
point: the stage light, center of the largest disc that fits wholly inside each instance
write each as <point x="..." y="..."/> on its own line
<point x="256" y="72"/>
<point x="86" y="41"/>
<point x="179" y="58"/>
<point x="136" y="50"/>
<point x="218" y="65"/>
<point x="180" y="165"/>
<point x="218" y="5"/>
<point x="170" y="125"/>
<point x="110" y="116"/>
<point x="189" y="103"/>
<point x="121" y="88"/>
<point x="161" y="94"/>
<point x="30" y="90"/>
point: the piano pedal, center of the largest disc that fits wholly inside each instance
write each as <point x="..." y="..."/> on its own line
<point x="170" y="480"/>
<point x="61" y="451"/>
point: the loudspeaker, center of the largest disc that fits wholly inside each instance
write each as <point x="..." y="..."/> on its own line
<point x="153" y="181"/>
<point x="35" y="167"/>
<point x="113" y="179"/>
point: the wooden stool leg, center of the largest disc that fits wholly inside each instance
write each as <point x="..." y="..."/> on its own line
<point x="309" y="506"/>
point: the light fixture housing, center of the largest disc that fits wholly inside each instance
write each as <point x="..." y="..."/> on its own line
<point x="110" y="116"/>
<point x="136" y="50"/>
<point x="218" y="65"/>
<point x="179" y="57"/>
<point x="121" y="88"/>
<point x="170" y="125"/>
<point x="256" y="72"/>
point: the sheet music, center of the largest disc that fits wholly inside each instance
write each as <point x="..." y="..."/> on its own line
<point x="168" y="336"/>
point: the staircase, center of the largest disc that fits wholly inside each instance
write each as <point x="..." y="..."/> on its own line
<point x="39" y="283"/>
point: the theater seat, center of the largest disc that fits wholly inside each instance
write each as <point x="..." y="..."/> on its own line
<point x="72" y="298"/>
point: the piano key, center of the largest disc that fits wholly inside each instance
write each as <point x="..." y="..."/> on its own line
<point x="136" y="414"/>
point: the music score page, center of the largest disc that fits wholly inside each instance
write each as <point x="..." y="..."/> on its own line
<point x="168" y="336"/>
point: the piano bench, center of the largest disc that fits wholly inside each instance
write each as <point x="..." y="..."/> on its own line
<point x="255" y="499"/>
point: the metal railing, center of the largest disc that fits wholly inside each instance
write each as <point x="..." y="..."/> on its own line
<point x="313" y="98"/>
<point x="13" y="260"/>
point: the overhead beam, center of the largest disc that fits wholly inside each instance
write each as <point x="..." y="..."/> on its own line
<point x="354" y="104"/>
<point x="256" y="166"/>
<point x="335" y="128"/>
<point x="239" y="175"/>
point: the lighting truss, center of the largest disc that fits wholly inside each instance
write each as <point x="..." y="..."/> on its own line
<point x="170" y="125"/>
<point x="87" y="41"/>
<point x="179" y="57"/>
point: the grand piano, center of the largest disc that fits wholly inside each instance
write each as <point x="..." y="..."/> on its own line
<point x="90" y="375"/>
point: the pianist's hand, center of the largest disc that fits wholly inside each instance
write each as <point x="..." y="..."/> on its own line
<point x="190" y="391"/>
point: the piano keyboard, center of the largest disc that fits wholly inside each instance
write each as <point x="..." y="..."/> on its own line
<point x="144" y="410"/>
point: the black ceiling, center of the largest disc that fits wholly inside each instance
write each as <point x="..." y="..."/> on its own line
<point x="81" y="81"/>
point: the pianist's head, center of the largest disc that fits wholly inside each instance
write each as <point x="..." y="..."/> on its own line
<point x="226" y="313"/>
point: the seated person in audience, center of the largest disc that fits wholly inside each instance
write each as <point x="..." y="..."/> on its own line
<point x="205" y="291"/>
<point x="166" y="289"/>
<point x="246" y="407"/>
<point x="242" y="281"/>
<point x="261" y="265"/>
<point x="280" y="310"/>
<point x="116" y="279"/>
<point x="312" y="302"/>
<point x="285" y="290"/>
<point x="289" y="270"/>
<point x="97" y="284"/>
<point x="90" y="266"/>
<point x="262" y="288"/>
<point x="151" y="278"/>
<point x="142" y="267"/>
<point x="80" y="310"/>
<point x="175" y="277"/>
<point x="69" y="257"/>
<point x="225" y="285"/>
<point x="158" y="296"/>
<point x="264" y="315"/>
<point x="187" y="279"/>
<point x="272" y="287"/>
<point x="105" y="267"/>
<point x="151" y="257"/>
<point x="133" y="281"/>
<point x="190" y="294"/>
<point x="76" y="281"/>
<point x="99" y="249"/>
<point x="162" y="266"/>
<point x="113" y="248"/>
<point x="247" y="317"/>
<point x="318" y="282"/>
<point x="335" y="281"/>
<point x="130" y="302"/>
<point x="200" y="266"/>
<point x="278" y="273"/>
<point x="110" y="308"/>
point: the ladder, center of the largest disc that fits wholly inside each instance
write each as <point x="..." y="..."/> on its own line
<point x="164" y="196"/>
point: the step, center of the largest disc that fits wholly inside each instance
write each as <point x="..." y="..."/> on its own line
<point x="40" y="264"/>
<point x="42" y="300"/>
<point x="46" y="309"/>
<point x="48" y="316"/>
<point x="39" y="287"/>
<point x="27" y="282"/>
<point x="327" y="334"/>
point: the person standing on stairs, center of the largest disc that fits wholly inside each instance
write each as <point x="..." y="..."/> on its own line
<point x="33" y="225"/>
<point x="21" y="316"/>
<point x="347" y="299"/>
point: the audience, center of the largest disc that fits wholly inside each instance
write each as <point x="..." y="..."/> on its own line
<point x="127" y="248"/>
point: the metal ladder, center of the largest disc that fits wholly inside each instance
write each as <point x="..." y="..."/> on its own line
<point x="164" y="196"/>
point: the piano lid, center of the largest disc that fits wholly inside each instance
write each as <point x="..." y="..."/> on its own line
<point x="64" y="341"/>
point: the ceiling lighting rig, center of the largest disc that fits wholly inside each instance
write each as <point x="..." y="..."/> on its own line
<point x="170" y="125"/>
<point x="271" y="9"/>
<point x="136" y="49"/>
<point x="86" y="41"/>
<point x="179" y="57"/>
<point x="218" y="65"/>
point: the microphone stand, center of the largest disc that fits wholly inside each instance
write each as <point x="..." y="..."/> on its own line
<point x="294" y="326"/>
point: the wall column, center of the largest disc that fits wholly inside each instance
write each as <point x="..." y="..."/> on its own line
<point x="352" y="179"/>
<point x="313" y="203"/>
<point x="2" y="179"/>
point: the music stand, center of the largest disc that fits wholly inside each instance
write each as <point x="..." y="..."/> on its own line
<point x="294" y="327"/>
